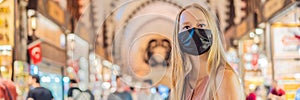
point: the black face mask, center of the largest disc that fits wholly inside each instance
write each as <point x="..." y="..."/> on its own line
<point x="195" y="41"/>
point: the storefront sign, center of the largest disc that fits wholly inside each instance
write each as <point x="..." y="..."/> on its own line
<point x="7" y="22"/>
<point x="48" y="31"/>
<point x="56" y="13"/>
<point x="35" y="52"/>
<point x="286" y="42"/>
<point x="50" y="9"/>
<point x="57" y="56"/>
<point x="285" y="67"/>
<point x="271" y="7"/>
<point x="5" y="10"/>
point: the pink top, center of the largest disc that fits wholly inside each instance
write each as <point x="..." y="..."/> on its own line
<point x="197" y="93"/>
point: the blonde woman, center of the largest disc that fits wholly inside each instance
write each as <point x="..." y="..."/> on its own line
<point x="200" y="70"/>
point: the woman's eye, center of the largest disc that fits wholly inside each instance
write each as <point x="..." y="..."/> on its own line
<point x="186" y="27"/>
<point x="201" y="25"/>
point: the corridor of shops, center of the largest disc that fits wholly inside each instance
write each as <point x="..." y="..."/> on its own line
<point x="129" y="49"/>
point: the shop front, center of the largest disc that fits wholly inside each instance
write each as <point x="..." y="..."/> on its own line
<point x="7" y="27"/>
<point x="254" y="65"/>
<point x="46" y="44"/>
<point x="108" y="72"/>
<point x="257" y="72"/>
<point x="78" y="64"/>
<point x="50" y="78"/>
<point x="283" y="27"/>
<point x="51" y="69"/>
<point x="54" y="83"/>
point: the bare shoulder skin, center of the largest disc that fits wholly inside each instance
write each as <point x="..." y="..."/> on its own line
<point x="229" y="86"/>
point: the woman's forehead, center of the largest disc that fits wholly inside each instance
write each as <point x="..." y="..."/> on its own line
<point x="192" y="14"/>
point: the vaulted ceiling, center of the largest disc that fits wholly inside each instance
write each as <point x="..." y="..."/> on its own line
<point x="136" y="34"/>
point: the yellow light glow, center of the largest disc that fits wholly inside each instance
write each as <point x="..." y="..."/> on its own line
<point x="252" y="86"/>
<point x="279" y="24"/>
<point x="1" y="1"/>
<point x="33" y="22"/>
<point x="3" y="69"/>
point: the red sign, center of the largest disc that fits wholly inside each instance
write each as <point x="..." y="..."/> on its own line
<point x="255" y="61"/>
<point x="35" y="52"/>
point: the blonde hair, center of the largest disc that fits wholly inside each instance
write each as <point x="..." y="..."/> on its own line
<point x="216" y="58"/>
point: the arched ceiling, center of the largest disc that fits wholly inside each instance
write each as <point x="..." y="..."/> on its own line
<point x="152" y="20"/>
<point x="132" y="26"/>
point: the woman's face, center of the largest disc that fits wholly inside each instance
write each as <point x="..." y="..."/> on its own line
<point x="192" y="18"/>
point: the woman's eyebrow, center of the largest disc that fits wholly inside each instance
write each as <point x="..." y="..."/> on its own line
<point x="186" y="23"/>
<point x="201" y="20"/>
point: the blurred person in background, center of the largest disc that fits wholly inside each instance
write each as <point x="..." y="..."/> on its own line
<point x="38" y="92"/>
<point x="133" y="93"/>
<point x="87" y="94"/>
<point x="146" y="93"/>
<point x="276" y="93"/>
<point x="120" y="93"/>
<point x="74" y="91"/>
<point x="7" y="89"/>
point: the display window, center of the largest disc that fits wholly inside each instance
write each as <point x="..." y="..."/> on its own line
<point x="53" y="82"/>
<point x="285" y="40"/>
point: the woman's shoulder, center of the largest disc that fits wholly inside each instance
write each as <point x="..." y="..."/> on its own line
<point x="226" y="72"/>
<point x="230" y="85"/>
<point x="229" y="75"/>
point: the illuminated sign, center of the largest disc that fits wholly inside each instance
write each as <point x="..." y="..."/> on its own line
<point x="7" y="22"/>
<point x="4" y="10"/>
<point x="56" y="12"/>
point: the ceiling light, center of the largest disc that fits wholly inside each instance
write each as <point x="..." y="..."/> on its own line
<point x="251" y="34"/>
<point x="259" y="31"/>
